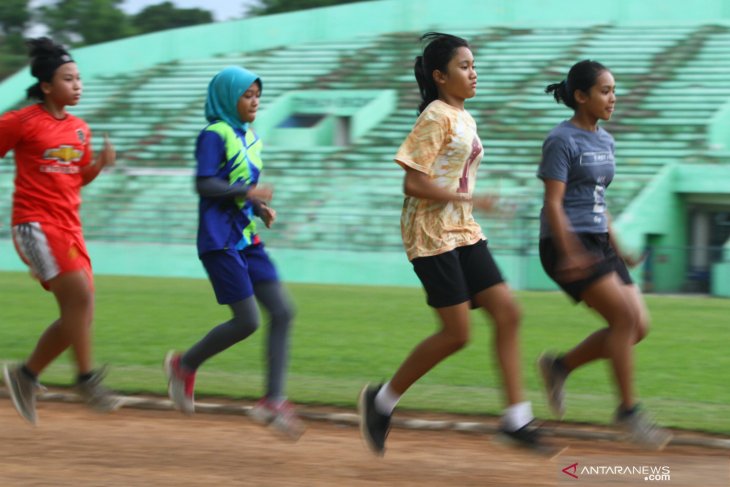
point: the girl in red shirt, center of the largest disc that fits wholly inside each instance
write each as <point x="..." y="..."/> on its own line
<point x="53" y="160"/>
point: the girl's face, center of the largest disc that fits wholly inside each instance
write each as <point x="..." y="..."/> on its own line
<point x="248" y="104"/>
<point x="65" y="86"/>
<point x="601" y="98"/>
<point x="460" y="79"/>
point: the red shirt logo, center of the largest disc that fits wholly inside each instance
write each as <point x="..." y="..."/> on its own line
<point x="65" y="154"/>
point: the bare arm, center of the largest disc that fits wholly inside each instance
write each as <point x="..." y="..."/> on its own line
<point x="574" y="261"/>
<point x="631" y="260"/>
<point x="560" y="231"/>
<point x="419" y="185"/>
<point x="106" y="157"/>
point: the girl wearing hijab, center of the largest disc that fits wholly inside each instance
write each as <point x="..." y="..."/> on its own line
<point x="228" y="169"/>
<point x="53" y="159"/>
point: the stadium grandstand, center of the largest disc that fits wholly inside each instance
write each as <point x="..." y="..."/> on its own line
<point x="339" y="97"/>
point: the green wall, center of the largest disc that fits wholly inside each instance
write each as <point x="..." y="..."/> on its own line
<point x="718" y="130"/>
<point x="376" y="268"/>
<point x="657" y="218"/>
<point x="720" y="285"/>
<point x="327" y="267"/>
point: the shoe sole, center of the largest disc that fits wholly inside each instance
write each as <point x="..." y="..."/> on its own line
<point x="262" y="418"/>
<point x="626" y="437"/>
<point x="545" y="379"/>
<point x="268" y="420"/>
<point x="547" y="451"/>
<point x="664" y="444"/>
<point x="291" y="434"/>
<point x="14" y="396"/>
<point x="167" y="364"/>
<point x="361" y="409"/>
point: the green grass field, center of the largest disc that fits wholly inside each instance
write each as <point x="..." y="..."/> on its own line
<point x="345" y="336"/>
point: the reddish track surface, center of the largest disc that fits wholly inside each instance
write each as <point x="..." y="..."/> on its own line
<point x="72" y="446"/>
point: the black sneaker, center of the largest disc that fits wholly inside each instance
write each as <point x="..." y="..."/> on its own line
<point x="374" y="426"/>
<point x="529" y="438"/>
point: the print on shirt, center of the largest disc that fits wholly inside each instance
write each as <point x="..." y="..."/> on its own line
<point x="62" y="158"/>
<point x="65" y="154"/>
<point x="476" y="149"/>
<point x="596" y="158"/>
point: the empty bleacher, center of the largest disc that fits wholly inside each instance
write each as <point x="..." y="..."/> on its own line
<point x="670" y="81"/>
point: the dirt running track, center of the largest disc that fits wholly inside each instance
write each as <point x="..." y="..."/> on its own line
<point x="75" y="447"/>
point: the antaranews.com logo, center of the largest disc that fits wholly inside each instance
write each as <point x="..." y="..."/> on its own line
<point x="595" y="472"/>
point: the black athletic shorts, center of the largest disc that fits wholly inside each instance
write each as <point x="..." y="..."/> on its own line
<point x="595" y="243"/>
<point x="456" y="276"/>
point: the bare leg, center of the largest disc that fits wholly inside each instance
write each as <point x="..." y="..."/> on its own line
<point x="454" y="334"/>
<point x="498" y="303"/>
<point x="608" y="298"/>
<point x="75" y="299"/>
<point x="594" y="346"/>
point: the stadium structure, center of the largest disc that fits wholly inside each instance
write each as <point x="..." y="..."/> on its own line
<point x="339" y="97"/>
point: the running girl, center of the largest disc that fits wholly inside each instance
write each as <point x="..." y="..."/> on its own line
<point x="228" y="169"/>
<point x="53" y="159"/>
<point x="446" y="245"/>
<point x="578" y="247"/>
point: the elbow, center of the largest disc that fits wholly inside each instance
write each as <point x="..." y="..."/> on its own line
<point x="406" y="187"/>
<point x="410" y="185"/>
<point x="552" y="205"/>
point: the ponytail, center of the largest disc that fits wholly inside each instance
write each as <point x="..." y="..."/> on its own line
<point x="582" y="76"/>
<point x="35" y="91"/>
<point x="561" y="94"/>
<point x="426" y="85"/>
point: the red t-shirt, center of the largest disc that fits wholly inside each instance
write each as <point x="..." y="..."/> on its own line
<point x="49" y="155"/>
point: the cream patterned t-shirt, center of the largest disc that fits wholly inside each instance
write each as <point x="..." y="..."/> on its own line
<point x="444" y="145"/>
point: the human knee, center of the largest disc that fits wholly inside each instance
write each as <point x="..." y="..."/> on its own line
<point x="77" y="307"/>
<point x="283" y="315"/>
<point x="245" y="317"/>
<point x="625" y="320"/>
<point x="509" y="317"/>
<point x="245" y="325"/>
<point x="641" y="329"/>
<point x="457" y="339"/>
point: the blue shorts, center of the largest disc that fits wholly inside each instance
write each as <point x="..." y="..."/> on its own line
<point x="234" y="273"/>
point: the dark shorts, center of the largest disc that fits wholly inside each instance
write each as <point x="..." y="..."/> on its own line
<point x="457" y="276"/>
<point x="595" y="243"/>
<point x="234" y="273"/>
<point x="260" y="266"/>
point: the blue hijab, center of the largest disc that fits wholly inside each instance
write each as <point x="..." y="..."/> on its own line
<point x="224" y="91"/>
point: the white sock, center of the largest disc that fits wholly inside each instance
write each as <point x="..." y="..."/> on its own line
<point x="517" y="415"/>
<point x="386" y="400"/>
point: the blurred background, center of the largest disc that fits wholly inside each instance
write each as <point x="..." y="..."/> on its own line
<point x="339" y="98"/>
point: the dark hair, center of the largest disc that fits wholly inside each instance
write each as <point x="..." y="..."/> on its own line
<point x="436" y="55"/>
<point x="582" y="76"/>
<point x="45" y="58"/>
